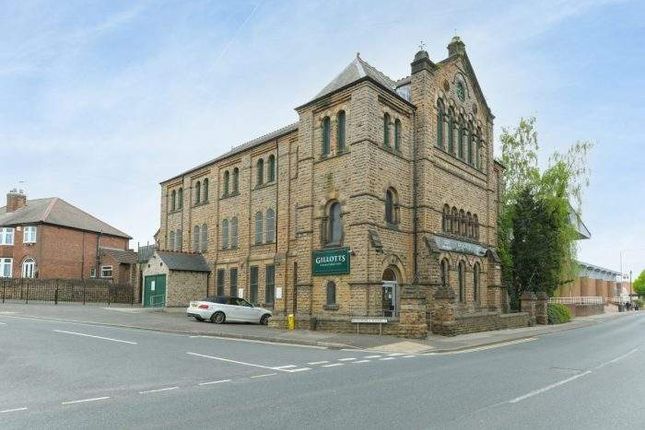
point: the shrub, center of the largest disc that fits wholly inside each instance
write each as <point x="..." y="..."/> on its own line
<point x="640" y="303"/>
<point x="558" y="313"/>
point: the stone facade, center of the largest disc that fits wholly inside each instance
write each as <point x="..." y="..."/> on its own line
<point x="388" y="152"/>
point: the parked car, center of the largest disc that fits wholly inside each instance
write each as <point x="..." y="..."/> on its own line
<point x="220" y="309"/>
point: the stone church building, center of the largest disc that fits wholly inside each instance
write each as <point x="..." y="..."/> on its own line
<point x="378" y="205"/>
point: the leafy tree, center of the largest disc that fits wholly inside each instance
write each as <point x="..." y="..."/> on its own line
<point x="639" y="284"/>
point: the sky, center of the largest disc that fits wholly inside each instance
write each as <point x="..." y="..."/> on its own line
<point x="102" y="100"/>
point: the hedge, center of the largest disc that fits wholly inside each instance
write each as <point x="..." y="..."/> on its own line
<point x="558" y="313"/>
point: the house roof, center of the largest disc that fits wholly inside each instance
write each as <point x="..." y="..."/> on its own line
<point x="126" y="256"/>
<point x="57" y="211"/>
<point x="184" y="261"/>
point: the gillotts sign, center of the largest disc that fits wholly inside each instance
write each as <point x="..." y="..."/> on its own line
<point x="330" y="262"/>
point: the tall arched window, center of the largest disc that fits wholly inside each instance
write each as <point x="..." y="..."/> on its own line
<point x="180" y="198"/>
<point x="331" y="293"/>
<point x="476" y="227"/>
<point x="391" y="206"/>
<point x="234" y="235"/>
<point x="258" y="228"/>
<point x="478" y="148"/>
<point x="462" y="281"/>
<point x="462" y="132"/>
<point x="225" y="234"/>
<point x="236" y="180"/>
<point x="271" y="168"/>
<point x="441" y="112"/>
<point x="471" y="143"/>
<point x="397" y="134"/>
<point x="259" y="171"/>
<point x="203" y="241"/>
<point x="469" y="225"/>
<point x="196" y="238"/>
<point x="198" y="192"/>
<point x="173" y="200"/>
<point x="226" y="183"/>
<point x="179" y="240"/>
<point x="335" y="231"/>
<point x="326" y="136"/>
<point x="386" y="129"/>
<point x="340" y="131"/>
<point x="445" y="272"/>
<point x="270" y="226"/>
<point x="205" y="190"/>
<point x="451" y="130"/>
<point x="476" y="280"/>
<point x="445" y="220"/>
<point x="171" y="241"/>
<point x="471" y="138"/>
<point x="454" y="221"/>
<point x="29" y="268"/>
<point x="462" y="223"/>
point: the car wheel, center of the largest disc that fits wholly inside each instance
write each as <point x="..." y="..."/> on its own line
<point x="198" y="318"/>
<point x="218" y="318"/>
<point x="265" y="319"/>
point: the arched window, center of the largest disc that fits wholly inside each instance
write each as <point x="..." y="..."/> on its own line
<point x="469" y="225"/>
<point x="226" y="182"/>
<point x="259" y="171"/>
<point x="258" y="228"/>
<point x="196" y="238"/>
<point x="173" y="200"/>
<point x="203" y="245"/>
<point x="331" y="293"/>
<point x="179" y="240"/>
<point x="225" y="235"/>
<point x="461" y="274"/>
<point x="451" y="130"/>
<point x="326" y="136"/>
<point x="476" y="227"/>
<point x="236" y="180"/>
<point x="171" y="241"/>
<point x="29" y="268"/>
<point x="462" y="132"/>
<point x="478" y="148"/>
<point x="205" y="190"/>
<point x="340" y="131"/>
<point x="441" y="112"/>
<point x="335" y="229"/>
<point x="180" y="198"/>
<point x="198" y="192"/>
<point x="462" y="223"/>
<point x="471" y="143"/>
<point x="386" y="129"/>
<point x="445" y="220"/>
<point x="397" y="134"/>
<point x="445" y="272"/>
<point x="234" y="236"/>
<point x="454" y="222"/>
<point x="271" y="172"/>
<point x="476" y="281"/>
<point x="391" y="206"/>
<point x="471" y="138"/>
<point x="270" y="226"/>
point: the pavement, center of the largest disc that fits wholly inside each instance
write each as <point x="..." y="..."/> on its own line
<point x="70" y="374"/>
<point x="174" y="320"/>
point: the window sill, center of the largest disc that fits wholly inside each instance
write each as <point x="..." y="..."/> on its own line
<point x="226" y="196"/>
<point x="264" y="185"/>
<point x="204" y="203"/>
<point x="175" y="211"/>
<point x="392" y="226"/>
<point x="331" y="307"/>
<point x="264" y="243"/>
<point x="330" y="156"/>
<point x="231" y="248"/>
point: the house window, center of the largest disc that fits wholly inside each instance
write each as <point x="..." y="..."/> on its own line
<point x="445" y="273"/>
<point x="204" y="239"/>
<point x="233" y="280"/>
<point x="173" y="200"/>
<point x="397" y="135"/>
<point x="205" y="190"/>
<point x="340" y="131"/>
<point x="271" y="169"/>
<point x="331" y="293"/>
<point x="226" y="183"/>
<point x="335" y="229"/>
<point x="234" y="236"/>
<point x="180" y="198"/>
<point x="258" y="228"/>
<point x="236" y="180"/>
<point x="6" y="236"/>
<point x="461" y="274"/>
<point x="269" y="292"/>
<point x="29" y="268"/>
<point x="198" y="192"/>
<point x="476" y="282"/>
<point x="106" y="271"/>
<point x="386" y="129"/>
<point x="6" y="267"/>
<point x="441" y="113"/>
<point x="326" y="136"/>
<point x="221" y="275"/>
<point x="29" y="234"/>
<point x="253" y="284"/>
<point x="391" y="207"/>
<point x="196" y="238"/>
<point x="93" y="272"/>
<point x="225" y="234"/>
<point x="270" y="226"/>
<point x="259" y="170"/>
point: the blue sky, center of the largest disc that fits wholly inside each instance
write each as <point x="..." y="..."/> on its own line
<point x="99" y="101"/>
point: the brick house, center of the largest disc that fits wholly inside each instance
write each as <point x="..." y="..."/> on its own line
<point x="381" y="199"/>
<point x="50" y="238"/>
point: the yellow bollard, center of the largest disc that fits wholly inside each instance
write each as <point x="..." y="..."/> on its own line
<point x="291" y="322"/>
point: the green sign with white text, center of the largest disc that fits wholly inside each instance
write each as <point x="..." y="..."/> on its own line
<point x="330" y="262"/>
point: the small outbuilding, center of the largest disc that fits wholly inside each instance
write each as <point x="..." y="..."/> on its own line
<point x="174" y="279"/>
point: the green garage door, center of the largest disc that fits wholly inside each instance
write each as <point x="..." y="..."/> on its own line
<point x="154" y="291"/>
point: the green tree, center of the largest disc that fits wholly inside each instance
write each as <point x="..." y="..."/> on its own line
<point x="639" y="284"/>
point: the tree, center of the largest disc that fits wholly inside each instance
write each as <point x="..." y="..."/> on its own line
<point x="639" y="284"/>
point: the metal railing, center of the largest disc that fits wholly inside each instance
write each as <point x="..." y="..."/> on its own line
<point x="64" y="290"/>
<point x="578" y="300"/>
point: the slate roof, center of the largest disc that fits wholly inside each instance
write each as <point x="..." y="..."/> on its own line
<point x="126" y="256"/>
<point x="57" y="211"/>
<point x="145" y="253"/>
<point x="183" y="261"/>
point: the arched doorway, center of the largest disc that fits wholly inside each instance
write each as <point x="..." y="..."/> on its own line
<point x="390" y="297"/>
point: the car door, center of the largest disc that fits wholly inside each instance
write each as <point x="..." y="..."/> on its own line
<point x="247" y="311"/>
<point x="233" y="310"/>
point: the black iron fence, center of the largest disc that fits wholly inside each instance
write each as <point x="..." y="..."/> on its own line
<point x="65" y="291"/>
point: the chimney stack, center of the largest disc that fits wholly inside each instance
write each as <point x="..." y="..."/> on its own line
<point x="16" y="199"/>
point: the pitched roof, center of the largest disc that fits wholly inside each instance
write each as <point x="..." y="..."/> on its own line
<point x="184" y="261"/>
<point x="126" y="256"/>
<point x="57" y="211"/>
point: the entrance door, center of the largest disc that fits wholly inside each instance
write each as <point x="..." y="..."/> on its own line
<point x="390" y="293"/>
<point x="154" y="291"/>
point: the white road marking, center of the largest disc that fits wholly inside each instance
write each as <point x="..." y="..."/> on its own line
<point x="158" y="390"/>
<point x="347" y="359"/>
<point x="350" y="349"/>
<point x="617" y="359"/>
<point x="372" y="356"/>
<point x="483" y="348"/>
<point x="94" y="399"/>
<point x="395" y="354"/>
<point x="3" y="323"/>
<point x="302" y="369"/>
<point x="408" y="356"/>
<point x="387" y="358"/>
<point x="288" y="366"/>
<point x="548" y="387"/>
<point x="6" y="411"/>
<point x="360" y="361"/>
<point x="221" y="381"/>
<point x="95" y="337"/>
<point x="257" y="341"/>
<point x="263" y="376"/>
<point x="315" y="363"/>
<point x="334" y="365"/>
<point x="227" y="360"/>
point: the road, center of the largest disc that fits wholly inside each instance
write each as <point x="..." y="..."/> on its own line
<point x="71" y="375"/>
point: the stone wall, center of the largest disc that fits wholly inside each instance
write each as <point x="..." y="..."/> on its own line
<point x="586" y="310"/>
<point x="484" y="321"/>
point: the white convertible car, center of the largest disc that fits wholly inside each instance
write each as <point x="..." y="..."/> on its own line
<point x="226" y="308"/>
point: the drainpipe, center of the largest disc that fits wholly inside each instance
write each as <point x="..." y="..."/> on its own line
<point x="415" y="221"/>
